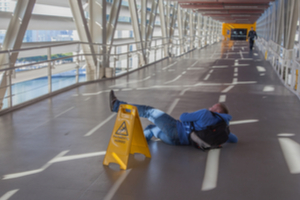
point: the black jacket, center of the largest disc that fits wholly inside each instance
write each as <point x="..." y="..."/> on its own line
<point x="252" y="34"/>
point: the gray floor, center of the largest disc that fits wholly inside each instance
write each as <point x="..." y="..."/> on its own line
<point x="44" y="153"/>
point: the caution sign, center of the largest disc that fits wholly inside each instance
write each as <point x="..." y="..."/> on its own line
<point x="122" y="130"/>
<point x="127" y="137"/>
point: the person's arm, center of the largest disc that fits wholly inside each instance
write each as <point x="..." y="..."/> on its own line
<point x="232" y="138"/>
<point x="194" y="116"/>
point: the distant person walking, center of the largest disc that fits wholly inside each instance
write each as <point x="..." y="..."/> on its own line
<point x="251" y="36"/>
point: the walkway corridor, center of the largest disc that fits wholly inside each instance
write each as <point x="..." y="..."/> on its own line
<point x="54" y="149"/>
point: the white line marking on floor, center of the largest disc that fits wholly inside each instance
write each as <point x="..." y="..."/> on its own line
<point x="153" y="74"/>
<point x="241" y="55"/>
<point x="8" y="194"/>
<point x="234" y="81"/>
<point x="183" y="91"/>
<point x="59" y="158"/>
<point x="211" y="170"/>
<point x="175" y="79"/>
<point x="117" y="184"/>
<point x="169" y="66"/>
<point x="96" y="93"/>
<point x="173" y="106"/>
<point x="79" y="156"/>
<point x="184" y="72"/>
<point x="268" y="88"/>
<point x="99" y="125"/>
<point x="64" y="112"/>
<point x="222" y="98"/>
<point x="26" y="173"/>
<point x="227" y="89"/>
<point x="211" y="71"/>
<point x="232" y="47"/>
<point x="248" y="59"/>
<point x="255" y="54"/>
<point x="243" y="121"/>
<point x="90" y="94"/>
<point x="136" y="81"/>
<point x="243" y="48"/>
<point x="235" y="74"/>
<point x="144" y="88"/>
<point x="195" y="68"/>
<point x="246" y="82"/>
<point x="87" y="98"/>
<point x="221" y="66"/>
<point x="291" y="152"/>
<point x="240" y="65"/>
<point x="171" y="70"/>
<point x="207" y="77"/>
<point x="262" y="74"/>
<point x="236" y="70"/>
<point x="207" y="84"/>
<point x="286" y="134"/>
<point x="260" y="69"/>
<point x="194" y="64"/>
<point x="127" y="89"/>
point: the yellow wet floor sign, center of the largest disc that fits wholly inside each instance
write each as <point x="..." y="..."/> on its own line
<point x="127" y="137"/>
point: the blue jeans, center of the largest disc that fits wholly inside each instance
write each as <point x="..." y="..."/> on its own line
<point x="163" y="127"/>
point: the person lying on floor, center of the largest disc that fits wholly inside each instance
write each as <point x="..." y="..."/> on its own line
<point x="182" y="131"/>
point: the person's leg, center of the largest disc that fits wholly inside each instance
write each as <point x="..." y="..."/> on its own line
<point x="232" y="138"/>
<point x="164" y="122"/>
<point x="251" y="44"/>
<point x="152" y="130"/>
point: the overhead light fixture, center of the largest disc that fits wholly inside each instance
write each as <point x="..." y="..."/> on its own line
<point x="215" y="11"/>
<point x="240" y="15"/>
<point x="240" y="7"/>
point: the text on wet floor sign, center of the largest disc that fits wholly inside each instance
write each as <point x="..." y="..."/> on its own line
<point x="127" y="137"/>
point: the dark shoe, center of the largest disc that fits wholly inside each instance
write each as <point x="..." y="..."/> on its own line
<point x="112" y="99"/>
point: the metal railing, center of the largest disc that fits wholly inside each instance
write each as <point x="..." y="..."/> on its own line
<point x="286" y="63"/>
<point x="72" y="69"/>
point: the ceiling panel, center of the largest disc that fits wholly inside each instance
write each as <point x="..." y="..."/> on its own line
<point x="228" y="11"/>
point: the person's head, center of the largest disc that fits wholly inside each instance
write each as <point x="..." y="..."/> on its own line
<point x="219" y="108"/>
<point x="251" y="28"/>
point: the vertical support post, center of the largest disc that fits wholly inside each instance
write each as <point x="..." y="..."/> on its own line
<point x="163" y="24"/>
<point x="14" y="37"/>
<point x="151" y="24"/>
<point x="9" y="90"/>
<point x="143" y="19"/>
<point x="180" y="28"/>
<point x="105" y="60"/>
<point x="77" y="64"/>
<point x="128" y="57"/>
<point x="162" y="48"/>
<point x="191" y="25"/>
<point x="49" y="71"/>
<point x="115" y="59"/>
<point x="292" y="23"/>
<point x="111" y="25"/>
<point x="155" y="48"/>
<point x="137" y="31"/>
<point x="85" y="36"/>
